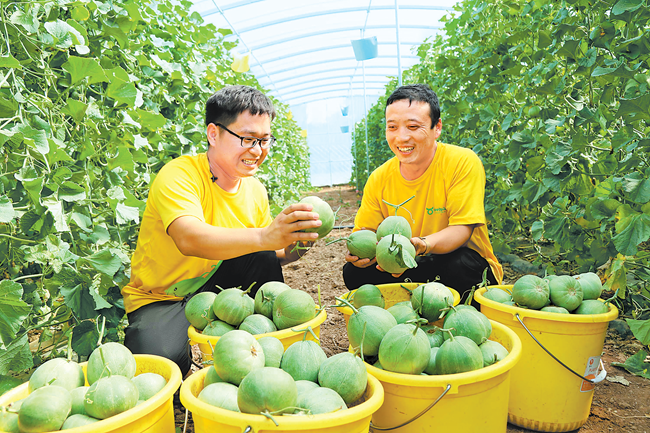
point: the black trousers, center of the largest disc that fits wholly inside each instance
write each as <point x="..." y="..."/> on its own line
<point x="160" y="328"/>
<point x="461" y="269"/>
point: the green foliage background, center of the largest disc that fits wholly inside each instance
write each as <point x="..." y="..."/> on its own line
<point x="95" y="97"/>
<point x="554" y="96"/>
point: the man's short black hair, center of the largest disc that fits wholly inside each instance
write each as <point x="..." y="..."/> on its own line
<point x="421" y="93"/>
<point x="225" y="105"/>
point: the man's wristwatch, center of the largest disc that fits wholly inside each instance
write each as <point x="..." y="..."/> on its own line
<point x="426" y="245"/>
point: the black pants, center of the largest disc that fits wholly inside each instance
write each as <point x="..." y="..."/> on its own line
<point x="461" y="269"/>
<point x="160" y="328"/>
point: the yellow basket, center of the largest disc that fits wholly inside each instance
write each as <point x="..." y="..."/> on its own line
<point x="286" y="336"/>
<point x="392" y="293"/>
<point x="471" y="402"/>
<point x="208" y="418"/>
<point x="155" y="415"/>
<point x="544" y="395"/>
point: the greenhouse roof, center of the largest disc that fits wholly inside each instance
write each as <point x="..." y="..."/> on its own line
<point x="301" y="51"/>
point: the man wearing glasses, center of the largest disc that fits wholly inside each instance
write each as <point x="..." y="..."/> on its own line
<point x="208" y="210"/>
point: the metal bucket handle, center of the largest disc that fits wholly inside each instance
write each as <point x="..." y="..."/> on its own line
<point x="374" y="427"/>
<point x="601" y="376"/>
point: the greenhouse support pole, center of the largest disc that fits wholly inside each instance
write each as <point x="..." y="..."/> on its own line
<point x="399" y="57"/>
<point x="365" y="110"/>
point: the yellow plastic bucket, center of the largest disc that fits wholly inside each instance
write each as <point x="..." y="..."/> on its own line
<point x="544" y="395"/>
<point x="286" y="336"/>
<point x="155" y="415"/>
<point x="208" y="419"/>
<point x="471" y="402"/>
<point x="392" y="293"/>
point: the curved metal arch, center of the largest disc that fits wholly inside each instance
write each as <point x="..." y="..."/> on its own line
<point x="344" y="94"/>
<point x="337" y="30"/>
<point x="293" y="89"/>
<point x="347" y="87"/>
<point x="326" y="48"/>
<point x="327" y="12"/>
<point x="322" y="71"/>
<point x="340" y="59"/>
<point x="349" y="76"/>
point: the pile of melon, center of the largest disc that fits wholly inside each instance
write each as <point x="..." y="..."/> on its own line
<point x="276" y="306"/>
<point x="563" y="294"/>
<point x="60" y="400"/>
<point x="402" y="338"/>
<point x="260" y="377"/>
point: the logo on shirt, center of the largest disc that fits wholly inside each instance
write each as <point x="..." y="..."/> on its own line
<point x="432" y="210"/>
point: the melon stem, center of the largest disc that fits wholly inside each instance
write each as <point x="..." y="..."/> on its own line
<point x="348" y="304"/>
<point x="397" y="206"/>
<point x="101" y="333"/>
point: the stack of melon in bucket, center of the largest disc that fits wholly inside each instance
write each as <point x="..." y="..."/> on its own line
<point x="562" y="325"/>
<point x="432" y="375"/>
<point x="114" y="391"/>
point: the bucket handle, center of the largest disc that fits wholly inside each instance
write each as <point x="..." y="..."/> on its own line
<point x="601" y="376"/>
<point x="374" y="427"/>
<point x="248" y="429"/>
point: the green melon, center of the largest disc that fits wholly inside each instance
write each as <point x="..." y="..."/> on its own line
<point x="566" y="292"/>
<point x="592" y="306"/>
<point x="405" y="349"/>
<point x="305" y="386"/>
<point x="591" y="285"/>
<point x="497" y="295"/>
<point x="325" y="215"/>
<point x="78" y="420"/>
<point x="293" y="307"/>
<point x="220" y="394"/>
<point x="431" y="366"/>
<point x="346" y="374"/>
<point x="57" y="371"/>
<point x="492" y="352"/>
<point x="429" y="300"/>
<point x="368" y="294"/>
<point x="44" y="410"/>
<point x="434" y="334"/>
<point x="273" y="351"/>
<point x="217" y="328"/>
<point x="211" y="376"/>
<point x="267" y="390"/>
<point x="9" y="418"/>
<point x="109" y="396"/>
<point x="257" y="324"/>
<point x="395" y="254"/>
<point x="198" y="310"/>
<point x="403" y="312"/>
<point x="110" y="358"/>
<point x="321" y="400"/>
<point x="233" y="306"/>
<point x="303" y="359"/>
<point x="531" y="291"/>
<point x="78" y="396"/>
<point x="367" y="326"/>
<point x="458" y="355"/>
<point x="148" y="384"/>
<point x="236" y="354"/>
<point x="363" y="244"/>
<point x="394" y="224"/>
<point x="468" y="323"/>
<point x="266" y="295"/>
<point x="555" y="309"/>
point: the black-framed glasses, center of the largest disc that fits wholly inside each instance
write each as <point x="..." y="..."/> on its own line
<point x="251" y="142"/>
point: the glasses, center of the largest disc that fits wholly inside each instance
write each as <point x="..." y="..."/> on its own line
<point x="251" y="142"/>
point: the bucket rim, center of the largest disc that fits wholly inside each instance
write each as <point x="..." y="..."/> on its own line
<point x="213" y="413"/>
<point x="122" y="420"/>
<point x="348" y="311"/>
<point x="458" y="379"/>
<point x="543" y="315"/>
<point x="198" y="338"/>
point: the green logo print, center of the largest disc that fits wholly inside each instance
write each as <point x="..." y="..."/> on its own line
<point x="429" y="211"/>
<point x="432" y="210"/>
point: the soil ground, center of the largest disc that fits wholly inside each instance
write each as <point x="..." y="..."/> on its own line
<point x="618" y="406"/>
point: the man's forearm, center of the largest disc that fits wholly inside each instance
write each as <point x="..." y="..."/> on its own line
<point x="449" y="239"/>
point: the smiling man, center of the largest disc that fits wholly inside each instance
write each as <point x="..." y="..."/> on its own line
<point x="446" y="214"/>
<point x="205" y="211"/>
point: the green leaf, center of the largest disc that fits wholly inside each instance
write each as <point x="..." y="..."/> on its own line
<point x="635" y="364"/>
<point x="151" y="121"/>
<point x="637" y="107"/>
<point x="80" y="13"/>
<point x="191" y="285"/>
<point x="7" y="383"/>
<point x="36" y="138"/>
<point x="28" y="21"/>
<point x="623" y="6"/>
<point x="13" y="311"/>
<point x="637" y="187"/>
<point x="641" y="330"/>
<point x="9" y="61"/>
<point x="71" y="192"/>
<point x="603" y="208"/>
<point x="85" y="337"/>
<point x="104" y="262"/>
<point x="37" y="225"/>
<point x="16" y="356"/>
<point x="79" y="300"/>
<point x="537" y="230"/>
<point x="80" y="68"/>
<point x="631" y="230"/>
<point x="125" y="214"/>
<point x="124" y="93"/>
<point x="76" y="109"/>
<point x="621" y="71"/>
<point x="7" y="213"/>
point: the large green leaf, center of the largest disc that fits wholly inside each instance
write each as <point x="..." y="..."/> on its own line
<point x="636" y="107"/>
<point x="640" y="329"/>
<point x="104" y="262"/>
<point x="636" y="364"/>
<point x="631" y="229"/>
<point x="13" y="310"/>
<point x="7" y="383"/>
<point x="79" y="299"/>
<point x="81" y="67"/>
<point x="16" y="356"/>
<point x="7" y="213"/>
<point x="85" y="337"/>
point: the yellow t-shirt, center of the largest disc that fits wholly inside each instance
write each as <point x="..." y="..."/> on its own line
<point x="184" y="187"/>
<point x="450" y="192"/>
